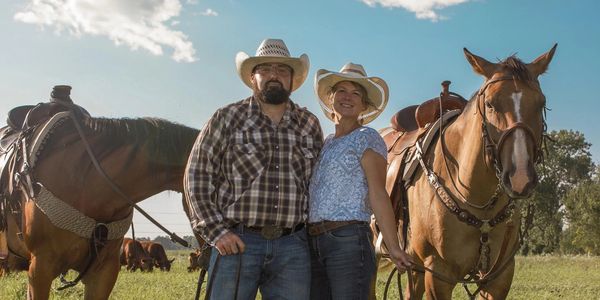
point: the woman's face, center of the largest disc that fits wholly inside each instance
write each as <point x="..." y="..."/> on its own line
<point x="348" y="100"/>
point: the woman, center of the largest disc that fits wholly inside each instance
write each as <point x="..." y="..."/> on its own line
<point x="347" y="186"/>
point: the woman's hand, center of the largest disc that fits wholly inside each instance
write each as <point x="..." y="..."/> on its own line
<point x="401" y="259"/>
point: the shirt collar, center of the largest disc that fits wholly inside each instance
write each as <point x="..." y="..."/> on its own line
<point x="254" y="112"/>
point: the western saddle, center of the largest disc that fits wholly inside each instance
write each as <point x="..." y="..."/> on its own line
<point x="410" y="134"/>
<point x="23" y="121"/>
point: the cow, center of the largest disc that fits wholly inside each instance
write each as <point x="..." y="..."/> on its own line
<point x="158" y="255"/>
<point x="134" y="256"/>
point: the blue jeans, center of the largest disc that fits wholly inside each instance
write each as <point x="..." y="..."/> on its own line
<point x="342" y="263"/>
<point x="280" y="268"/>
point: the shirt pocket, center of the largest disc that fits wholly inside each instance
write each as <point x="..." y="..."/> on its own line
<point x="305" y="156"/>
<point x="247" y="163"/>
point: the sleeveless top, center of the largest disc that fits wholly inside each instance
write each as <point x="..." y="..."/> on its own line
<point x="338" y="187"/>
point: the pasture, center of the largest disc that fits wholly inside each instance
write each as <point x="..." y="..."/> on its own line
<point x="538" y="277"/>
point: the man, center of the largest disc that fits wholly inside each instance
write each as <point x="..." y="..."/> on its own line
<point x="247" y="181"/>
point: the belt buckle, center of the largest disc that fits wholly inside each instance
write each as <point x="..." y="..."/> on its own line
<point x="271" y="232"/>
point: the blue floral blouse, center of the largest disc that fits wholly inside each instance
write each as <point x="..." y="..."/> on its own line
<point x="338" y="187"/>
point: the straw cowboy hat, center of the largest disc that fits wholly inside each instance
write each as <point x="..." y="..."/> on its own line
<point x="272" y="51"/>
<point x="377" y="90"/>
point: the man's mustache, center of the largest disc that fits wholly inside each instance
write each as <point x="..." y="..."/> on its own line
<point x="273" y="81"/>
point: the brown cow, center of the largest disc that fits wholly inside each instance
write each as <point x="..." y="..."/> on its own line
<point x="134" y="256"/>
<point x="158" y="255"/>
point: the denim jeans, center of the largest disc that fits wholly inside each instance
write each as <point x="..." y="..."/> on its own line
<point x="342" y="263"/>
<point x="280" y="268"/>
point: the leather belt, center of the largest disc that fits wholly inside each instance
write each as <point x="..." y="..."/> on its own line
<point x="271" y="232"/>
<point x="326" y="226"/>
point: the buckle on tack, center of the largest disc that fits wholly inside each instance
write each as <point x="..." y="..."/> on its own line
<point x="271" y="232"/>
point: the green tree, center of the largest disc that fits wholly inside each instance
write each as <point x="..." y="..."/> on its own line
<point x="582" y="212"/>
<point x="567" y="162"/>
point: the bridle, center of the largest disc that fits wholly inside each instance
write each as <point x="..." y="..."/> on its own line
<point x="492" y="148"/>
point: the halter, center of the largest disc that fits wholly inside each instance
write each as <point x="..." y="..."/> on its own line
<point x="492" y="149"/>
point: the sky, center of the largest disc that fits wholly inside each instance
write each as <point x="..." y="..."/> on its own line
<point x="175" y="59"/>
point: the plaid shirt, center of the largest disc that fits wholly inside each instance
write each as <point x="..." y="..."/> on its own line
<point x="245" y="169"/>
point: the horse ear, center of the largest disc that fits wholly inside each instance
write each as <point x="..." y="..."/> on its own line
<point x="171" y="260"/>
<point x="480" y="65"/>
<point x="540" y="64"/>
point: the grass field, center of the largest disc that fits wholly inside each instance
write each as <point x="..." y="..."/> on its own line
<point x="548" y="277"/>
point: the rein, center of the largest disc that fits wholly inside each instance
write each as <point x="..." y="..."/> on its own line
<point x="174" y="237"/>
<point x="98" y="239"/>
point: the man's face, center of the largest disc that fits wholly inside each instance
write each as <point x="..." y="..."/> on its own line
<point x="272" y="82"/>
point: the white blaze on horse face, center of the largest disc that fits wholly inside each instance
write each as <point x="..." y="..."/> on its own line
<point x="520" y="156"/>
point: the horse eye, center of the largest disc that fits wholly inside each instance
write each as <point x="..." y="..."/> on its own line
<point x="488" y="105"/>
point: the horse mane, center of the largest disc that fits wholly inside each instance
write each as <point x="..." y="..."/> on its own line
<point x="164" y="140"/>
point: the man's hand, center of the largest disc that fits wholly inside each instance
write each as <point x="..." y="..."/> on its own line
<point x="229" y="244"/>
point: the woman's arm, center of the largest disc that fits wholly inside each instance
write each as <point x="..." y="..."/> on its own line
<point x="374" y="166"/>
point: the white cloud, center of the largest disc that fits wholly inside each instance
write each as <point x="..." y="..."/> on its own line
<point x="209" y="12"/>
<point x="135" y="23"/>
<point x="192" y="2"/>
<point x="423" y="9"/>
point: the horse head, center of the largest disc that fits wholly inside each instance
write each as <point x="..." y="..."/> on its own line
<point x="511" y="105"/>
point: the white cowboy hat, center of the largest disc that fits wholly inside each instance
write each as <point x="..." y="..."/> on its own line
<point x="272" y="51"/>
<point x="377" y="89"/>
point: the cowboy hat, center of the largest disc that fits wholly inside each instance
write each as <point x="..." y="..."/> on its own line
<point x="272" y="51"/>
<point x="377" y="90"/>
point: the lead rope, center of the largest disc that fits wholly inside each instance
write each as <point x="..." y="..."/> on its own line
<point x="212" y="277"/>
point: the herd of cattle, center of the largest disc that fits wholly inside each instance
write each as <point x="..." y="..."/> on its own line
<point x="147" y="255"/>
<point x="144" y="255"/>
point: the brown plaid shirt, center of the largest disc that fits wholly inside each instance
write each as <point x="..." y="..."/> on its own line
<point x="245" y="169"/>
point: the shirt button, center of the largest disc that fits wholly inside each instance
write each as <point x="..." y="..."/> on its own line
<point x="277" y="147"/>
<point x="276" y="187"/>
<point x="276" y="166"/>
<point x="275" y="206"/>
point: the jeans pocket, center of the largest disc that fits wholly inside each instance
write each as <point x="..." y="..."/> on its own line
<point x="346" y="233"/>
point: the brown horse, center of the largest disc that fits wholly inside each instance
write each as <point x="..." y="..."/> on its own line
<point x="141" y="156"/>
<point x="462" y="200"/>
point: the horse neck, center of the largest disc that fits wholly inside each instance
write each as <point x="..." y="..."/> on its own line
<point x="464" y="152"/>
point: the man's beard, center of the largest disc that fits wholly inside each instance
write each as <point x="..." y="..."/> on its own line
<point x="272" y="94"/>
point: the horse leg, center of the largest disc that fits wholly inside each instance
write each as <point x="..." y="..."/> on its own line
<point x="500" y="286"/>
<point x="417" y="289"/>
<point x="101" y="278"/>
<point x="437" y="289"/>
<point x="40" y="278"/>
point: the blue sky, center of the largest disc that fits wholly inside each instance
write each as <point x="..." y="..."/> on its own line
<point x="174" y="59"/>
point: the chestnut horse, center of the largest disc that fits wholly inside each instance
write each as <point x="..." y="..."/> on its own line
<point x="463" y="198"/>
<point x="142" y="157"/>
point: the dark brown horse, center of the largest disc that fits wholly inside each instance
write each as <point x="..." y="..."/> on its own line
<point x="463" y="198"/>
<point x="142" y="157"/>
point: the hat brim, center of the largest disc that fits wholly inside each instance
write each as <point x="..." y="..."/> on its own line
<point x="245" y="64"/>
<point x="377" y="92"/>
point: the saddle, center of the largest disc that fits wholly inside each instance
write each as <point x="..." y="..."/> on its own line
<point x="410" y="134"/>
<point x="16" y="139"/>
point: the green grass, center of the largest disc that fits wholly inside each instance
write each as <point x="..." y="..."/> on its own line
<point x="547" y="277"/>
